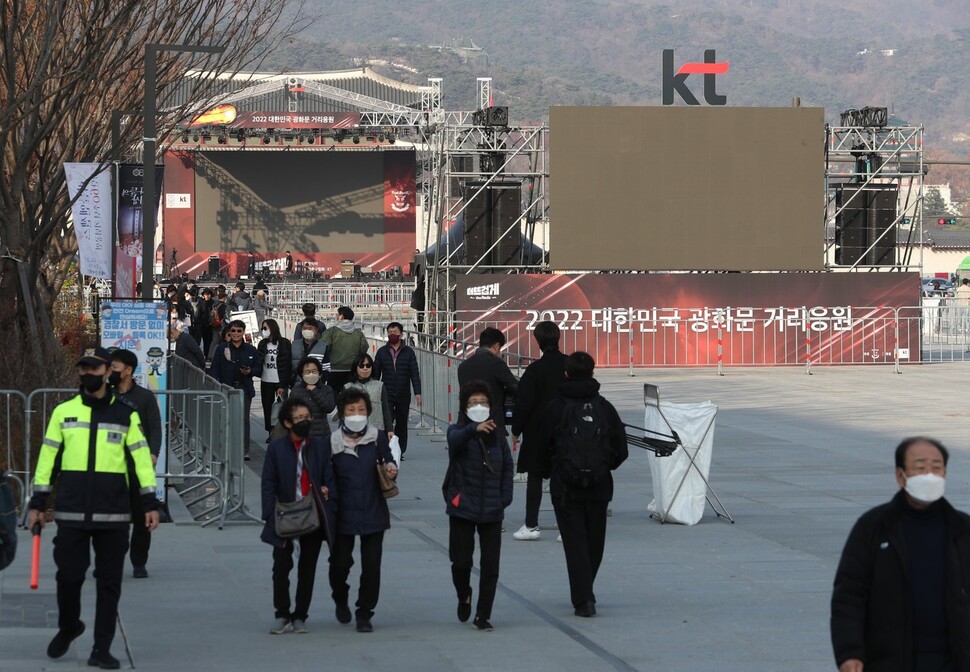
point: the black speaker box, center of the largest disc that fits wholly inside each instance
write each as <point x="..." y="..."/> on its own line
<point x="867" y="219"/>
<point x="493" y="216"/>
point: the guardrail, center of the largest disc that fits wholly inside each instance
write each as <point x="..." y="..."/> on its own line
<point x="13" y="423"/>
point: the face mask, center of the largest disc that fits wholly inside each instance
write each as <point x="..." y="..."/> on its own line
<point x="926" y="488"/>
<point x="91" y="382"/>
<point x="309" y="334"/>
<point x="265" y="333"/>
<point x="115" y="378"/>
<point x="311" y="378"/>
<point x="394" y="339"/>
<point x="302" y="428"/>
<point x="478" y="413"/>
<point x="355" y="423"/>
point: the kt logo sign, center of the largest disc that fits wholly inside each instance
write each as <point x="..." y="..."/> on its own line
<point x="677" y="81"/>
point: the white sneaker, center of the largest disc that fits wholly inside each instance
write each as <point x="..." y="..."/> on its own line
<point x="299" y="627"/>
<point x="527" y="534"/>
<point x="281" y="625"/>
<point x="559" y="538"/>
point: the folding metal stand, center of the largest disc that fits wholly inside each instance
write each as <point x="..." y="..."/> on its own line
<point x="651" y="397"/>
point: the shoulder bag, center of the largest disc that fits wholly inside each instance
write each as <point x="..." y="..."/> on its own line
<point x="294" y="519"/>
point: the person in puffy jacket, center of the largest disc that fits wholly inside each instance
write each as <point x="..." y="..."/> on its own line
<point x="357" y="448"/>
<point x="316" y="393"/>
<point x="477" y="490"/>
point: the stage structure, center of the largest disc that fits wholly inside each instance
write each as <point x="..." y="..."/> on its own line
<point x="473" y="170"/>
<point x="874" y="175"/>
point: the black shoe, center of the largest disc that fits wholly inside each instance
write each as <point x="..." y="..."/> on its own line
<point x="62" y="641"/>
<point x="343" y="614"/>
<point x="465" y="608"/>
<point x="246" y="457"/>
<point x="104" y="660"/>
<point x="482" y="624"/>
<point x="586" y="609"/>
<point x="364" y="624"/>
<point x="140" y="572"/>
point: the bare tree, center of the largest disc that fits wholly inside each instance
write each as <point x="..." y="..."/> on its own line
<point x="65" y="66"/>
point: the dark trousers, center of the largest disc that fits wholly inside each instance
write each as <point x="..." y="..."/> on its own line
<point x="141" y="541"/>
<point x="206" y="341"/>
<point x="306" y="571"/>
<point x="533" y="499"/>
<point x="336" y="380"/>
<point x="461" y="548"/>
<point x="247" y="411"/>
<point x="582" y="524"/>
<point x="267" y="395"/>
<point x="932" y="662"/>
<point x="342" y="559"/>
<point x="72" y="555"/>
<point x="400" y="409"/>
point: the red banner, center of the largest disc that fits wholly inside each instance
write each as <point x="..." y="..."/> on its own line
<point x="758" y="319"/>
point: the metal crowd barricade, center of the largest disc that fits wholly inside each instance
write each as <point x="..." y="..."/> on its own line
<point x="328" y="296"/>
<point x="15" y="436"/>
<point x="937" y="330"/>
<point x="207" y="421"/>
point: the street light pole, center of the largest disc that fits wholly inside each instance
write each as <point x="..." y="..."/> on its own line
<point x="149" y="211"/>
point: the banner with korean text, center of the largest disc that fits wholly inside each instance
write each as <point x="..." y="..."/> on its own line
<point x="130" y="248"/>
<point x="142" y="327"/>
<point x="90" y="191"/>
<point x="692" y="319"/>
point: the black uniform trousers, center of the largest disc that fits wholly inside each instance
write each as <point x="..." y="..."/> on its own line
<point x="342" y="559"/>
<point x="141" y="538"/>
<point x="72" y="555"/>
<point x="582" y="524"/>
<point x="461" y="548"/>
<point x="310" y="545"/>
<point x="400" y="409"/>
<point x="533" y="499"/>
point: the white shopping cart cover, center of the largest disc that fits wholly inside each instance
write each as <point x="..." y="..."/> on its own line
<point x="679" y="490"/>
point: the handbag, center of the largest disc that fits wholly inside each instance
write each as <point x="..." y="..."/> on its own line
<point x="388" y="485"/>
<point x="294" y="519"/>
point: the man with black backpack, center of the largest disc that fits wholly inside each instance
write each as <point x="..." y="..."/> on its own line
<point x="587" y="443"/>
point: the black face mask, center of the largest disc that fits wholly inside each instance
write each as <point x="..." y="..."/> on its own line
<point x="115" y="378"/>
<point x="91" y="382"/>
<point x="302" y="428"/>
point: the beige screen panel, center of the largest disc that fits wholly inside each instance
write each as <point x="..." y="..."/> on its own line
<point x="686" y="188"/>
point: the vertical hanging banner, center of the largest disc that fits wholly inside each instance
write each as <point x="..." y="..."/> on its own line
<point x="91" y="216"/>
<point x="142" y="327"/>
<point x="130" y="250"/>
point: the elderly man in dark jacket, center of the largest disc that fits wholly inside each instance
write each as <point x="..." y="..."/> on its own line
<point x="477" y="490"/>
<point x="487" y="365"/>
<point x="234" y="363"/>
<point x="186" y="346"/>
<point x="581" y="508"/>
<point x="539" y="385"/>
<point x="396" y="365"/>
<point x="900" y="598"/>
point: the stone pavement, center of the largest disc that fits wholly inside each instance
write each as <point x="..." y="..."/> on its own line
<point x="797" y="459"/>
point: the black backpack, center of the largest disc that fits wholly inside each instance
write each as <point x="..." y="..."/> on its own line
<point x="583" y="455"/>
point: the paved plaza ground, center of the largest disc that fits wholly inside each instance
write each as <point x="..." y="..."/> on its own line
<point x="797" y="458"/>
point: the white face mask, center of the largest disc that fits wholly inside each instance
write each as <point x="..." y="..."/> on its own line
<point x="926" y="488"/>
<point x="478" y="413"/>
<point x="311" y="378"/>
<point x="355" y="423"/>
<point x="265" y="333"/>
<point x="309" y="334"/>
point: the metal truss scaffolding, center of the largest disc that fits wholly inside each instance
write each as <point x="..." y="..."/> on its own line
<point x="875" y="158"/>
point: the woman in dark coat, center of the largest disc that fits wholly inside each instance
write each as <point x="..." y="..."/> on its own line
<point x="277" y="369"/>
<point x="313" y="389"/>
<point x="477" y="490"/>
<point x="289" y="459"/>
<point x="356" y="448"/>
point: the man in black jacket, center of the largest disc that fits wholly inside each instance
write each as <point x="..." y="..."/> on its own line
<point x="487" y="365"/>
<point x="123" y="365"/>
<point x="581" y="508"/>
<point x="397" y="366"/>
<point x="900" y="596"/>
<point x="539" y="386"/>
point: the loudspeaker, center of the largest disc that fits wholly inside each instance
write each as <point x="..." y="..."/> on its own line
<point x="493" y="216"/>
<point x="214" y="266"/>
<point x="461" y="163"/>
<point x="497" y="116"/>
<point x="866" y="219"/>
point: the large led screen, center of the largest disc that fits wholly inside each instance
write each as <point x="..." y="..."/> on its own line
<point x="686" y="188"/>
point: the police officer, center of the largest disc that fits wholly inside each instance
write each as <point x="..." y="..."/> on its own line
<point x="121" y="377"/>
<point x="95" y="450"/>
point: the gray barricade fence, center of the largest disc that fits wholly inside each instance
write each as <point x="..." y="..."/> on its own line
<point x="204" y="440"/>
<point x="941" y="328"/>
<point x="13" y="428"/>
<point x="206" y="421"/>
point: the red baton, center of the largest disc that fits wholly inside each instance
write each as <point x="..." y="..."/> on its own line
<point x="35" y="559"/>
